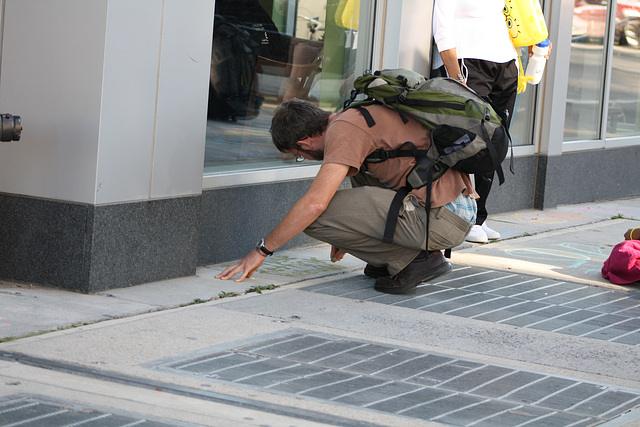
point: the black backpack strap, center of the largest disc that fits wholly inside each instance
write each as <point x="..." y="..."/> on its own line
<point x="427" y="207"/>
<point x="511" y="146"/>
<point x="494" y="155"/>
<point x="380" y="155"/>
<point x="366" y="114"/>
<point x="369" y="119"/>
<point x="486" y="116"/>
<point x="504" y="116"/>
<point x="394" y="210"/>
<point x="392" y="216"/>
<point x="404" y="118"/>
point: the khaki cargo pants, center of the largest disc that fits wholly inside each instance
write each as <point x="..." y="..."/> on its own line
<point x="355" y="219"/>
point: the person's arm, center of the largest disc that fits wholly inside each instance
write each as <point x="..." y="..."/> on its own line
<point x="450" y="59"/>
<point x="302" y="214"/>
<point x="632" y="234"/>
<point x="445" y="35"/>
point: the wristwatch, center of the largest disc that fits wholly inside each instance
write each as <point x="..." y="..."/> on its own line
<point x="260" y="247"/>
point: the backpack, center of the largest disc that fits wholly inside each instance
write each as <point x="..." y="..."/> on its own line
<point x="467" y="133"/>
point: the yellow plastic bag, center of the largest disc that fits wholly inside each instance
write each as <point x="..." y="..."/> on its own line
<point x="525" y="21"/>
<point x="522" y="79"/>
<point x="348" y="14"/>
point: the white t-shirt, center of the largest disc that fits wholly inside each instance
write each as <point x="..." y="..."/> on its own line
<point x="475" y="28"/>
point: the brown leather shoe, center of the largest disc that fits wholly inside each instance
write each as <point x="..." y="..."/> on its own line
<point x="375" y="271"/>
<point x="419" y="270"/>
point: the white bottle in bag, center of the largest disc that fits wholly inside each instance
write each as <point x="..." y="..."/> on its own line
<point x="535" y="67"/>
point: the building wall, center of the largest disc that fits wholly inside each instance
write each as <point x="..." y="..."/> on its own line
<point x="113" y="98"/>
<point x="103" y="189"/>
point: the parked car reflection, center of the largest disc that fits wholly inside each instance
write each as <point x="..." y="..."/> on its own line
<point x="587" y="72"/>
<point x="590" y="18"/>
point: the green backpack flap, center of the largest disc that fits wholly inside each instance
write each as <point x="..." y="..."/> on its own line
<point x="467" y="134"/>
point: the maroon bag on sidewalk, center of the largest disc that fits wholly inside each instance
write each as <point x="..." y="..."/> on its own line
<point x="623" y="265"/>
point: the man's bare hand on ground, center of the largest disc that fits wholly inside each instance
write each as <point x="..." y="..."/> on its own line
<point x="337" y="254"/>
<point x="247" y="266"/>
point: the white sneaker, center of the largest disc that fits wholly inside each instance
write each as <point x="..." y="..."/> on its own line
<point x="477" y="235"/>
<point x="491" y="234"/>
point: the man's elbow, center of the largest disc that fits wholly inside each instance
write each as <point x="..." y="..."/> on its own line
<point x="317" y="208"/>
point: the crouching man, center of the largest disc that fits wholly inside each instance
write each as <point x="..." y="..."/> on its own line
<point x="353" y="221"/>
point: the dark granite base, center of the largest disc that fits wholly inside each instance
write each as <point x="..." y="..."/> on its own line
<point x="234" y="219"/>
<point x="517" y="191"/>
<point x="45" y="242"/>
<point x="92" y="248"/>
<point x="542" y="182"/>
<point x="137" y="243"/>
<point x="587" y="176"/>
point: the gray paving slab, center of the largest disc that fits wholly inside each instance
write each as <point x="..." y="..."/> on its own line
<point x="458" y="392"/>
<point x="523" y="331"/>
<point x="35" y="410"/>
<point x="573" y="254"/>
<point x="84" y="394"/>
<point x="124" y="348"/>
<point x="532" y="221"/>
<point x="271" y="360"/>
<point x="26" y="309"/>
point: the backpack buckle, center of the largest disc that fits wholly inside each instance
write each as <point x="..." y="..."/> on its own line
<point x="354" y="94"/>
<point x="385" y="155"/>
<point x="378" y="156"/>
<point x="403" y="96"/>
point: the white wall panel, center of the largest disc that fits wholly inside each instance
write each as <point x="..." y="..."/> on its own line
<point x="132" y="60"/>
<point x="182" y="98"/>
<point x="113" y="98"/>
<point x="403" y="35"/>
<point x="51" y="75"/>
<point x="414" y="47"/>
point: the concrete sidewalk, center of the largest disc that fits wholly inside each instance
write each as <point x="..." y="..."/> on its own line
<point x="523" y="331"/>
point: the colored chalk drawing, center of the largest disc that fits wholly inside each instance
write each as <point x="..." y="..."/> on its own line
<point x="587" y="258"/>
<point x="4" y="325"/>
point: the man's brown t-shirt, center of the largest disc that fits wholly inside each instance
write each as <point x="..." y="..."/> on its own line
<point x="349" y="140"/>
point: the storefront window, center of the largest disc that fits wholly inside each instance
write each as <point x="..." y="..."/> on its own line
<point x="586" y="71"/>
<point x="521" y="128"/>
<point x="267" y="51"/>
<point x="524" y="114"/>
<point x="624" y="95"/>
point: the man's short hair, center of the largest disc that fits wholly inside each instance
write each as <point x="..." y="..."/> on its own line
<point x="295" y="120"/>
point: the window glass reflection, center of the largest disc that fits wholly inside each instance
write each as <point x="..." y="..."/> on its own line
<point x="586" y="71"/>
<point x="524" y="111"/>
<point x="624" y="97"/>
<point x="521" y="128"/>
<point x="268" y="51"/>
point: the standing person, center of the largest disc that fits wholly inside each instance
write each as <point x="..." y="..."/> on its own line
<point x="353" y="221"/>
<point x="475" y="48"/>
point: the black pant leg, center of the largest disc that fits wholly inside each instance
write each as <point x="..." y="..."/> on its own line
<point x="483" y="188"/>
<point x="498" y="82"/>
